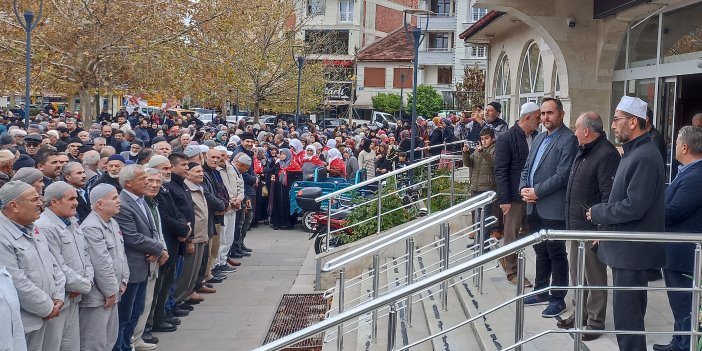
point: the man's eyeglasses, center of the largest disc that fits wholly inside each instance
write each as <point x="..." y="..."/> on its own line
<point x="32" y="145"/>
<point x="617" y="119"/>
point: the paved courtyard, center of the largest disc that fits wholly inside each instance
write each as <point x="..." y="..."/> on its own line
<point x="237" y="317"/>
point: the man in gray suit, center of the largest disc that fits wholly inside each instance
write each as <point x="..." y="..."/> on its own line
<point x="98" y="309"/>
<point x="543" y="187"/>
<point x="25" y="254"/>
<point x="66" y="243"/>
<point x="142" y="247"/>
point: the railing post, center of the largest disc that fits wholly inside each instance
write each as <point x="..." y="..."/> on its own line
<point x="392" y="327"/>
<point x="696" y="276"/>
<point x="380" y="204"/>
<point x="453" y="181"/>
<point x="519" y="318"/>
<point x="376" y="287"/>
<point x="429" y="188"/>
<point x="579" y="297"/>
<point x="410" y="279"/>
<point x="446" y="235"/>
<point x="328" y="234"/>
<point x="481" y="246"/>
<point x="340" y="296"/>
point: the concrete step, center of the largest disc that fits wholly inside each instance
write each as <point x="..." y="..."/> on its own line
<point x="462" y="338"/>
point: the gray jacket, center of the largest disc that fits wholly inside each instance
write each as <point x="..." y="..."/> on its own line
<point x="636" y="204"/>
<point x="106" y="248"/>
<point x="140" y="237"/>
<point x="551" y="175"/>
<point x="67" y="244"/>
<point x="35" y="272"/>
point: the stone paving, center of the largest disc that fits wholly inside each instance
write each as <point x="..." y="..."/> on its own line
<point x="237" y="317"/>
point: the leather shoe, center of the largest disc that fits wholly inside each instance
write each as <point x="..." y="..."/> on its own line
<point x="180" y="312"/>
<point x="173" y="320"/>
<point x="149" y="339"/>
<point x="243" y="253"/>
<point x="236" y="254"/>
<point x="206" y="290"/>
<point x="233" y="263"/>
<point x="245" y="249"/>
<point x="164" y="328"/>
<point x="185" y="306"/>
<point x="591" y="336"/>
<point x="196" y="297"/>
<point x="668" y="347"/>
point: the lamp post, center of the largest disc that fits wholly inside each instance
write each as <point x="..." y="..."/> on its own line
<point x="28" y="24"/>
<point x="298" y="51"/>
<point x="414" y="34"/>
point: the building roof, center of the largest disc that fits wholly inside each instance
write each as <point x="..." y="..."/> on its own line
<point x="396" y="47"/>
<point x="481" y="24"/>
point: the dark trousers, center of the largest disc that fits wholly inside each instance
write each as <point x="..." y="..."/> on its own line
<point x="202" y="273"/>
<point x="630" y="307"/>
<point x="129" y="309"/>
<point x="164" y="282"/>
<point x="238" y="234"/>
<point x="681" y="304"/>
<point x="551" y="258"/>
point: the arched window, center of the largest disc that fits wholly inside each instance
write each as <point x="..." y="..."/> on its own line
<point x="503" y="90"/>
<point x="556" y="83"/>
<point x="532" y="79"/>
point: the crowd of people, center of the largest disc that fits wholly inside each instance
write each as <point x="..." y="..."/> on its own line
<point x="116" y="230"/>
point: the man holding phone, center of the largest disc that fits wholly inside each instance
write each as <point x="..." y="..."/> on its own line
<point x="590" y="183"/>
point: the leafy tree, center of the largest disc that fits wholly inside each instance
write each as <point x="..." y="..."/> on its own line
<point x="389" y="103"/>
<point x="471" y="90"/>
<point x="428" y="101"/>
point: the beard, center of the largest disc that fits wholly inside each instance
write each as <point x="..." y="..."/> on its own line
<point x="113" y="176"/>
<point x="624" y="137"/>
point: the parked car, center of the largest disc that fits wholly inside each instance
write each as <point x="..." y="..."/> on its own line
<point x="290" y="117"/>
<point x="268" y="120"/>
<point x="331" y="123"/>
<point x="179" y="112"/>
<point x="375" y="118"/>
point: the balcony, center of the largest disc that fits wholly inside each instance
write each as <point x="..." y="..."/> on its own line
<point x="437" y="56"/>
<point x="440" y="22"/>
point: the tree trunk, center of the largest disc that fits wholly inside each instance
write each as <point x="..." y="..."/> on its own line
<point x="87" y="108"/>
<point x="256" y="112"/>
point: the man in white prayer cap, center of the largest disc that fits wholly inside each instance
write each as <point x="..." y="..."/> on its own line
<point x="23" y="250"/>
<point x="67" y="244"/>
<point x="636" y="204"/>
<point x="99" y="324"/>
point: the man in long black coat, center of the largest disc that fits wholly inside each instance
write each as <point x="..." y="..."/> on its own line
<point x="635" y="204"/>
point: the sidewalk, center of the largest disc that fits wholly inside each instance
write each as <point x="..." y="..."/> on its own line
<point x="237" y="317"/>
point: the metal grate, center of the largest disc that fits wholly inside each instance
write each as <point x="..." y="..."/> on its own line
<point x="296" y="312"/>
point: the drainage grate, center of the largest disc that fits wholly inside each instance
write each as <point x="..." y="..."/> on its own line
<point x="296" y="312"/>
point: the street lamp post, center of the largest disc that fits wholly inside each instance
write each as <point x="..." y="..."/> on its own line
<point x="300" y="63"/>
<point x="414" y="34"/>
<point x="29" y="23"/>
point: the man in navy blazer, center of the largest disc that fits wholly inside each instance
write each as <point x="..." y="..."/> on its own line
<point x="683" y="213"/>
<point x="543" y="187"/>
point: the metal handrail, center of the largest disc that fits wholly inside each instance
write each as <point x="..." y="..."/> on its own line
<point x="377" y="179"/>
<point x="479" y="261"/>
<point x="407" y="232"/>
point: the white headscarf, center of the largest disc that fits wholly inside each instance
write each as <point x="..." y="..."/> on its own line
<point x="333" y="154"/>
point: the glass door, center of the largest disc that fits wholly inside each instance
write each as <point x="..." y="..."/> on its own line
<point x="666" y="123"/>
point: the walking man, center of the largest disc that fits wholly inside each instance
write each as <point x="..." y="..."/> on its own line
<point x="590" y="183"/>
<point x="543" y="187"/>
<point x="636" y="204"/>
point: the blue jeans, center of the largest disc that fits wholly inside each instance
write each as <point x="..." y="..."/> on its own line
<point x="551" y="258"/>
<point x="129" y="309"/>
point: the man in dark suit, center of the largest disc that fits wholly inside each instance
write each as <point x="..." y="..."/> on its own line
<point x="73" y="173"/>
<point x="636" y="204"/>
<point x="142" y="247"/>
<point x="543" y="187"/>
<point x="683" y="213"/>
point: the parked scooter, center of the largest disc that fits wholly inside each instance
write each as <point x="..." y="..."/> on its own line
<point x="305" y="199"/>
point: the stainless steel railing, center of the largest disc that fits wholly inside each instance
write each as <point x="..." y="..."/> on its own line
<point x="392" y="298"/>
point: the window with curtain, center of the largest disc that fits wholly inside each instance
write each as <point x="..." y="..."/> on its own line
<point x="315" y="7"/>
<point x="346" y="10"/>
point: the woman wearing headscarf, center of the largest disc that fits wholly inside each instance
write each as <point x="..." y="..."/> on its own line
<point x="222" y="137"/>
<point x="310" y="161"/>
<point x="382" y="164"/>
<point x="436" y="138"/>
<point x="285" y="172"/>
<point x="337" y="167"/>
<point x="297" y="150"/>
<point x="366" y="158"/>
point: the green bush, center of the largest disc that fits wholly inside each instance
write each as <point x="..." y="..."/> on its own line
<point x="443" y="186"/>
<point x="370" y="211"/>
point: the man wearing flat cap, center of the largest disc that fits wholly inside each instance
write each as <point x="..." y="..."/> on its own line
<point x="7" y="159"/>
<point x="636" y="204"/>
<point x="67" y="245"/>
<point x="31" y="144"/>
<point x="98" y="309"/>
<point x="25" y="254"/>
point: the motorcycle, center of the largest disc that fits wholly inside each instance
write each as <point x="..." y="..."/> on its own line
<point x="320" y="223"/>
